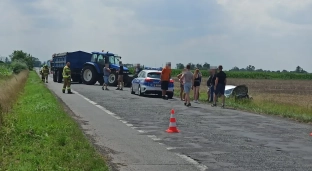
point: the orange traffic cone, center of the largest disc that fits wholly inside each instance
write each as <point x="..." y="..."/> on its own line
<point x="172" y="124"/>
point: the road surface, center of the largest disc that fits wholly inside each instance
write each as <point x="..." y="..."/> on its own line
<point x="131" y="129"/>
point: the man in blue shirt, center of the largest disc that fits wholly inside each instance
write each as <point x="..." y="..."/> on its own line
<point x="106" y="72"/>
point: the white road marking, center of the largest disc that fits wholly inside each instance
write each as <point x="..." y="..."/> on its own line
<point x="153" y="137"/>
<point x="190" y="160"/>
<point x="125" y="122"/>
<point x="171" y="148"/>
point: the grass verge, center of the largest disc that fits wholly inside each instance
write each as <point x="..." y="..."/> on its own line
<point x="37" y="134"/>
<point x="10" y="88"/>
<point x="264" y="106"/>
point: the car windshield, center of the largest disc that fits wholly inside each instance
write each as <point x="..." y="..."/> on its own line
<point x="114" y="60"/>
<point x="229" y="91"/>
<point x="153" y="75"/>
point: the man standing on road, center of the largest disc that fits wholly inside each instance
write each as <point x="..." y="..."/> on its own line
<point x="188" y="84"/>
<point x="138" y="69"/>
<point x="45" y="73"/>
<point x="212" y="84"/>
<point x="208" y="85"/>
<point x="165" y="78"/>
<point x="219" y="86"/>
<point x="67" y="78"/>
<point x="106" y="72"/>
<point x="120" y="76"/>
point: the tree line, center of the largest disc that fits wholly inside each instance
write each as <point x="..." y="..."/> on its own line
<point x="249" y="68"/>
<point x="22" y="57"/>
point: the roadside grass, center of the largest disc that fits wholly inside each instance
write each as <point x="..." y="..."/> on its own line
<point x="37" y="134"/>
<point x="260" y="106"/>
<point x="10" y="88"/>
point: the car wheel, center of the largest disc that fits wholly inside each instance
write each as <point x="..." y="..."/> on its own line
<point x="139" y="91"/>
<point x="132" y="92"/>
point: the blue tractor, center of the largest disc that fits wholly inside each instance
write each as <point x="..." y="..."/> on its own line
<point x="93" y="71"/>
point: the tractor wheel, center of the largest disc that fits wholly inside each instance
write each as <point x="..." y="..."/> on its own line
<point x="88" y="75"/>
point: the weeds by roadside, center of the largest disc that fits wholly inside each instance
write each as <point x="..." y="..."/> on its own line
<point x="10" y="90"/>
<point x="38" y="135"/>
<point x="294" y="111"/>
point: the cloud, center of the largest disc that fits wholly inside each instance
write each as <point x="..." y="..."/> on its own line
<point x="269" y="34"/>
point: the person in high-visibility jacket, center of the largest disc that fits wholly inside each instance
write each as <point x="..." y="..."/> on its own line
<point x="45" y="73"/>
<point x="41" y="73"/>
<point x="67" y="78"/>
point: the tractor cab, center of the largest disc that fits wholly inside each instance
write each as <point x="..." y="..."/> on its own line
<point x="102" y="58"/>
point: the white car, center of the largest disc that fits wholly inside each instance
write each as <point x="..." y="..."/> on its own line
<point x="148" y="82"/>
<point x="228" y="90"/>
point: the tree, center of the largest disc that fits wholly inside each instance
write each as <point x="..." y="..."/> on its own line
<point x="206" y="66"/>
<point x="199" y="66"/>
<point x="250" y="68"/>
<point x="7" y="60"/>
<point x="180" y="66"/>
<point x="284" y="71"/>
<point x="234" y="69"/>
<point x="19" y="55"/>
<point x="300" y="70"/>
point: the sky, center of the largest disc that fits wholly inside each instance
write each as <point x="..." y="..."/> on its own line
<point x="268" y="34"/>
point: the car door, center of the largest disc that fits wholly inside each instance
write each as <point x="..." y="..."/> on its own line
<point x="141" y="78"/>
<point x="136" y="82"/>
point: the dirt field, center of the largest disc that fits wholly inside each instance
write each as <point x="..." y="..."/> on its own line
<point x="297" y="92"/>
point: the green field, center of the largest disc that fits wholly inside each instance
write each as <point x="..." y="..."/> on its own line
<point x="253" y="74"/>
<point x="37" y="134"/>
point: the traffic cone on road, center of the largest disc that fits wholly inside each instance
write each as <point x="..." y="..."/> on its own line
<point x="172" y="124"/>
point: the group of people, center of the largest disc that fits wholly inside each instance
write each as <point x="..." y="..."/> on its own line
<point x="215" y="83"/>
<point x="106" y="72"/>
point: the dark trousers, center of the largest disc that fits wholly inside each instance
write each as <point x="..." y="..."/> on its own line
<point x="211" y="93"/>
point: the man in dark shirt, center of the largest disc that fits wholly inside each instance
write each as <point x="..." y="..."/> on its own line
<point x="120" y="76"/>
<point x="210" y="84"/>
<point x="219" y="86"/>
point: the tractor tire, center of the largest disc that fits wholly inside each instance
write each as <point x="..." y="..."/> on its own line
<point x="113" y="79"/>
<point x="88" y="75"/>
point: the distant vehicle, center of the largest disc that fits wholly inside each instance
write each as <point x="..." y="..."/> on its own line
<point x="92" y="70"/>
<point x="77" y="60"/>
<point x="238" y="92"/>
<point x="228" y="90"/>
<point x="148" y="82"/>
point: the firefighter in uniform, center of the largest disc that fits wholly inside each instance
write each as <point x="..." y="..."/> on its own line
<point x="41" y="73"/>
<point x="67" y="78"/>
<point x="45" y="73"/>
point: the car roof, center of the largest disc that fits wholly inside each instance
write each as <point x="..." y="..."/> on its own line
<point x="148" y="71"/>
<point x="229" y="87"/>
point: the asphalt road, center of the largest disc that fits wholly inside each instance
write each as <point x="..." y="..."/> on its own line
<point x="132" y="130"/>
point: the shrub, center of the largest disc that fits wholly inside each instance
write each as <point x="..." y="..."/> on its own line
<point x="5" y="70"/>
<point x="18" y="66"/>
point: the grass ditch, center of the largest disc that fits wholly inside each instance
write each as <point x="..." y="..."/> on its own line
<point x="261" y="106"/>
<point x="37" y="134"/>
<point x="10" y="88"/>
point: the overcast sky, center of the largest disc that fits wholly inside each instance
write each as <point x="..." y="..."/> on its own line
<point x="269" y="34"/>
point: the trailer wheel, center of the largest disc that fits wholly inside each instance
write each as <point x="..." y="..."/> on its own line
<point x="112" y="79"/>
<point x="59" y="76"/>
<point x="89" y="75"/>
<point x="54" y="77"/>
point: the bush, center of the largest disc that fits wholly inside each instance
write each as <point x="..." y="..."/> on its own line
<point x="5" y="70"/>
<point x="18" y="66"/>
